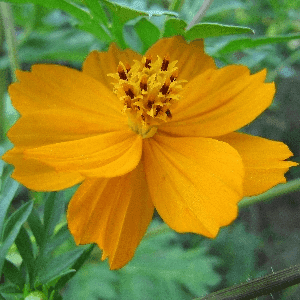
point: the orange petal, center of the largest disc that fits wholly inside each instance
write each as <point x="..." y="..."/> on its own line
<point x="37" y="176"/>
<point x="99" y="64"/>
<point x="194" y="183"/>
<point x="55" y="126"/>
<point x="219" y="102"/>
<point x="114" y="213"/>
<point x="107" y="155"/>
<point x="191" y="57"/>
<point x="59" y="87"/>
<point x="263" y="160"/>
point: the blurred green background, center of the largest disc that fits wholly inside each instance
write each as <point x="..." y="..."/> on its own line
<point x="167" y="265"/>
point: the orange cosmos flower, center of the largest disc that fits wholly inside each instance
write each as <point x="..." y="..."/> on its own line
<point x="144" y="132"/>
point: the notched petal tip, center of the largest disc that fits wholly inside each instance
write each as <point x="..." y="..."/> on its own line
<point x="195" y="183"/>
<point x="187" y="54"/>
<point x="230" y="98"/>
<point x="265" y="161"/>
<point x="99" y="64"/>
<point x="38" y="176"/>
<point x="108" y="155"/>
<point x="113" y="213"/>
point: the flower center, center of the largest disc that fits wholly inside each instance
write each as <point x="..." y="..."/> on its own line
<point x="149" y="90"/>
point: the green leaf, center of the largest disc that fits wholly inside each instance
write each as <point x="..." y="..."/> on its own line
<point x="2" y="164"/>
<point x="88" y="23"/>
<point x="238" y="249"/>
<point x="63" y="274"/>
<point x="10" y="292"/>
<point x="25" y="249"/>
<point x="63" y="44"/>
<point x="8" y="190"/>
<point x="49" y="270"/>
<point x="58" y="239"/>
<point x="147" y="32"/>
<point x="119" y="15"/>
<point x="133" y="13"/>
<point x="97" y="30"/>
<point x="97" y="11"/>
<point x="8" y="288"/>
<point x="54" y="208"/>
<point x="172" y="268"/>
<point x="13" y="274"/>
<point x="193" y="269"/>
<point x="86" y="284"/>
<point x="76" y="266"/>
<point x="71" y="8"/>
<point x="36" y="227"/>
<point x="12" y="296"/>
<point x="246" y="43"/>
<point x="159" y="270"/>
<point x="205" y="30"/>
<point x="122" y="14"/>
<point x="174" y="27"/>
<point x="12" y="228"/>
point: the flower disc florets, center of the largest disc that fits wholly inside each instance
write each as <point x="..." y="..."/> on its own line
<point x="149" y="90"/>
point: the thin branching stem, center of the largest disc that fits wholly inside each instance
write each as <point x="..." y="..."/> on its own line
<point x="10" y="36"/>
<point x="265" y="285"/>
<point x="200" y="14"/>
<point x="279" y="190"/>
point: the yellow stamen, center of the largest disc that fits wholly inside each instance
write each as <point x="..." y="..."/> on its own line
<point x="121" y="72"/>
<point x="149" y="90"/>
<point x="143" y="83"/>
<point x="127" y="66"/>
<point x="164" y="89"/>
<point x="174" y="75"/>
<point x="148" y="61"/>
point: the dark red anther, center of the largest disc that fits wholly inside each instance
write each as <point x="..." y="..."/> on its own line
<point x="129" y="93"/>
<point x="158" y="109"/>
<point x="128" y="67"/>
<point x="165" y="63"/>
<point x="143" y="84"/>
<point x="121" y="72"/>
<point x="150" y="103"/>
<point x="174" y="76"/>
<point x="128" y="105"/>
<point x="168" y="113"/>
<point x="164" y="89"/>
<point x="148" y="61"/>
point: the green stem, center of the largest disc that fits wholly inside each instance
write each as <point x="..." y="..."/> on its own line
<point x="97" y="10"/>
<point x="75" y="11"/>
<point x="158" y="230"/>
<point x="3" y="86"/>
<point x="200" y="14"/>
<point x="271" y="283"/>
<point x="10" y="36"/>
<point x="279" y="190"/>
<point x="86" y="17"/>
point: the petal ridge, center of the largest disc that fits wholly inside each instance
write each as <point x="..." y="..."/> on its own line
<point x="93" y="156"/>
<point x="264" y="160"/>
<point x="175" y="170"/>
<point x="121" y="211"/>
<point x="223" y="110"/>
